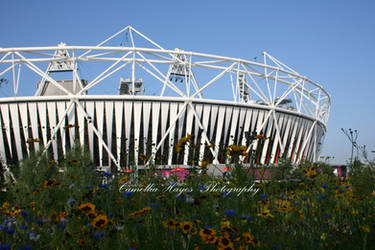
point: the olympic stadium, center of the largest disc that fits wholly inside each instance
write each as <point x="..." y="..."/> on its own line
<point x="130" y="101"/>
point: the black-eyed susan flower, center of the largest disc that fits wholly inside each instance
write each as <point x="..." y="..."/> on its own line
<point x="100" y="221"/>
<point x="51" y="163"/>
<point x="33" y="140"/>
<point x="250" y="239"/>
<point x="208" y="235"/>
<point x="142" y="157"/>
<point x="123" y="179"/>
<point x="170" y="224"/>
<point x="181" y="143"/>
<point x="266" y="213"/>
<point x="50" y="183"/>
<point x="224" y="243"/>
<point x="71" y="126"/>
<point x="323" y="236"/>
<point x="261" y="137"/>
<point x="74" y="162"/>
<point x="186" y="227"/>
<point x="87" y="207"/>
<point x="210" y="239"/>
<point x="365" y="228"/>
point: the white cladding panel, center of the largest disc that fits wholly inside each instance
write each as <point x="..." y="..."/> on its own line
<point x="126" y="127"/>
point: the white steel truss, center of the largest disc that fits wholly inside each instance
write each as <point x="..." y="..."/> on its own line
<point x="217" y="100"/>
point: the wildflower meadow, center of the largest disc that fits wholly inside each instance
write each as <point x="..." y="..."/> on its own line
<point x="69" y="205"/>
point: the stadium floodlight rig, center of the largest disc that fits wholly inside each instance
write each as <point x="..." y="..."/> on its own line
<point x="167" y="95"/>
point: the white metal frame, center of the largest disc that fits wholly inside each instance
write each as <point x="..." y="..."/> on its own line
<point x="270" y="84"/>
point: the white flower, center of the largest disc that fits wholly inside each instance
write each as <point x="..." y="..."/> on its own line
<point x="33" y="236"/>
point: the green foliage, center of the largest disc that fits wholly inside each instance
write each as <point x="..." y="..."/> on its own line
<point x="58" y="205"/>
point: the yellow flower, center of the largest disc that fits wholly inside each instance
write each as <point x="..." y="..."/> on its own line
<point x="31" y="140"/>
<point x="140" y="212"/>
<point x="50" y="183"/>
<point x="142" y="157"/>
<point x="71" y="126"/>
<point x="186" y="227"/>
<point x="225" y="223"/>
<point x="16" y="211"/>
<point x="5" y="205"/>
<point x="210" y="239"/>
<point x="170" y="224"/>
<point x="123" y="179"/>
<point x="182" y="142"/>
<point x="224" y="243"/>
<point x="160" y="197"/>
<point x="249" y="239"/>
<point x="100" y="221"/>
<point x="208" y="235"/>
<point x="261" y="137"/>
<point x="366" y="228"/>
<point x="51" y="163"/>
<point x="265" y="214"/>
<point x="204" y="164"/>
<point x="75" y="162"/>
<point x="87" y="208"/>
<point x="323" y="236"/>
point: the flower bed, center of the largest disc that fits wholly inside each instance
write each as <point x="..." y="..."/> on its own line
<point x="69" y="205"/>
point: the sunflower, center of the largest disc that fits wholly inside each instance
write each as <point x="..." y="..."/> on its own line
<point x="87" y="207"/>
<point x="186" y="227"/>
<point x="100" y="221"/>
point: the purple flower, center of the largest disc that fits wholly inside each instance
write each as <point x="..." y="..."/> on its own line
<point x="324" y="185"/>
<point x="107" y="174"/>
<point x="264" y="197"/>
<point x="229" y="212"/>
<point x="128" y="194"/>
<point x="71" y="201"/>
<point x="23" y="227"/>
<point x="25" y="248"/>
<point x="225" y="194"/>
<point x="4" y="246"/>
<point x="248" y="218"/>
<point x="98" y="235"/>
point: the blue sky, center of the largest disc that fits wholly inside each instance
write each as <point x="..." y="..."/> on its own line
<point x="330" y="42"/>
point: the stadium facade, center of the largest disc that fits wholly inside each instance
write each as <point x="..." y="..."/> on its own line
<point x="131" y="104"/>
